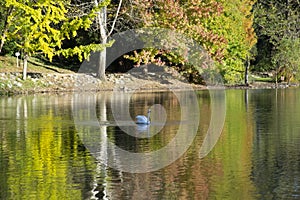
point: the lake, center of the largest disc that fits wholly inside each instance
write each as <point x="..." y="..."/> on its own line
<point x="87" y="146"/>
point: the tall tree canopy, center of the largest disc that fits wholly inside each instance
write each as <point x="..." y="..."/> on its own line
<point x="186" y="17"/>
<point x="277" y="24"/>
<point x="223" y="28"/>
<point x="235" y="24"/>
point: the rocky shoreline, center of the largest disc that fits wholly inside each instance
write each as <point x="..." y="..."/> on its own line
<point x="11" y="83"/>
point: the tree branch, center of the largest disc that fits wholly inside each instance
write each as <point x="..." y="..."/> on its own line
<point x="114" y="22"/>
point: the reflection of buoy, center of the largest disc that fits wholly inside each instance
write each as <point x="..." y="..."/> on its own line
<point x="141" y="119"/>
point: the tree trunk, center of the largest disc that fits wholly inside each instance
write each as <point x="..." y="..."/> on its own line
<point x="25" y="66"/>
<point x="247" y="72"/>
<point x="101" y="19"/>
<point x="104" y="34"/>
<point x="276" y="76"/>
<point x="102" y="63"/>
<point x="5" y="27"/>
<point x="2" y="40"/>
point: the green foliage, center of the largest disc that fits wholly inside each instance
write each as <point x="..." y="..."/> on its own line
<point x="288" y="58"/>
<point x="277" y="26"/>
<point x="82" y="51"/>
<point x="222" y="28"/>
<point x="41" y="27"/>
<point x="10" y="48"/>
<point x="185" y="18"/>
<point x="235" y="24"/>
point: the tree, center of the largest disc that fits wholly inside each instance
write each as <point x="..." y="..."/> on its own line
<point x="235" y="24"/>
<point x="223" y="28"/>
<point x="41" y="27"/>
<point x="104" y="34"/>
<point x="277" y="24"/>
<point x="103" y="26"/>
<point x="288" y="59"/>
<point x="6" y="12"/>
<point x="187" y="18"/>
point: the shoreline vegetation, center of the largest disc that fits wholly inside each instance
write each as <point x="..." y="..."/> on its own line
<point x="240" y="37"/>
<point x="43" y="78"/>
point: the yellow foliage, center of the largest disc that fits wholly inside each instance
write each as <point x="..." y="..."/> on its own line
<point x="42" y="26"/>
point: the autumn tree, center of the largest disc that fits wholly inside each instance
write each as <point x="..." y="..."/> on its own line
<point x="222" y="28"/>
<point x="236" y="25"/>
<point x="6" y="12"/>
<point x="186" y="18"/>
<point x="41" y="27"/>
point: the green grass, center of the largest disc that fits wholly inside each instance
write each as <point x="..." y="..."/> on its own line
<point x="13" y="83"/>
<point x="255" y="78"/>
<point x="262" y="79"/>
<point x="9" y="64"/>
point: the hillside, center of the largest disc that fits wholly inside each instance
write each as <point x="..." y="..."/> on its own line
<point x="9" y="64"/>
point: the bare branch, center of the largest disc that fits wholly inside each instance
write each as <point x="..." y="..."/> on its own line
<point x="114" y="22"/>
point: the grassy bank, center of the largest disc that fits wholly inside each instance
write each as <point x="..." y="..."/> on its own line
<point x="11" y="75"/>
<point x="8" y="64"/>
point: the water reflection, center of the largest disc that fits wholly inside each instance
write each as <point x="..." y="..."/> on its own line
<point x="276" y="150"/>
<point x="129" y="150"/>
<point x="44" y="154"/>
<point x="40" y="150"/>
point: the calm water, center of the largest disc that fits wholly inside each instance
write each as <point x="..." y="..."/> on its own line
<point x="56" y="146"/>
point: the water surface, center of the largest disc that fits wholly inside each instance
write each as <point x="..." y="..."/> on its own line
<point x="44" y="153"/>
